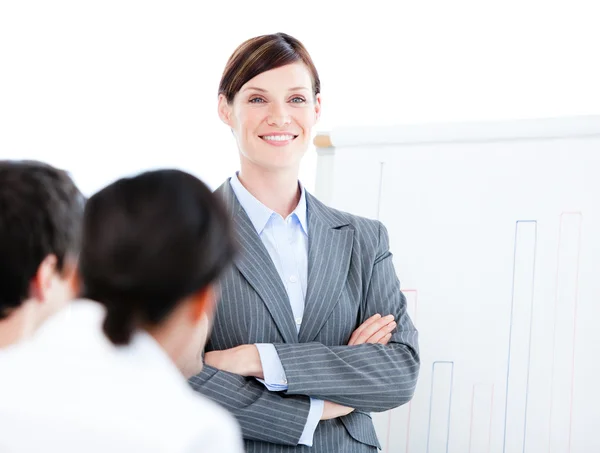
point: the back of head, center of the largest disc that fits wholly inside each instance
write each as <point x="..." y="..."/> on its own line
<point x="40" y="215"/>
<point x="149" y="242"/>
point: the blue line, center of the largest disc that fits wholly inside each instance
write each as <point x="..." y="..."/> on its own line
<point x="450" y="406"/>
<point x="530" y="335"/>
<point x="431" y="400"/>
<point x="512" y="302"/>
<point x="430" y="404"/>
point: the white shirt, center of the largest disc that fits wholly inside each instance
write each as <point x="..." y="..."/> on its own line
<point x="70" y="390"/>
<point x="286" y="240"/>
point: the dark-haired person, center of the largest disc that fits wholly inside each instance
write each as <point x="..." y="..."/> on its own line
<point x="313" y="307"/>
<point x="40" y="222"/>
<point x="107" y="377"/>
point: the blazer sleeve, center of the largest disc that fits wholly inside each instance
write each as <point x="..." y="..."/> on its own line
<point x="262" y="415"/>
<point x="367" y="377"/>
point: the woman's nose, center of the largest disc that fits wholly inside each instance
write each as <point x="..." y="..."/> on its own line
<point x="278" y="116"/>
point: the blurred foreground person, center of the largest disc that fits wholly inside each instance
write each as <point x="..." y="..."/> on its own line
<point x="108" y="374"/>
<point x="40" y="222"/>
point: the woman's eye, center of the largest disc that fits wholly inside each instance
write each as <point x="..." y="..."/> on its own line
<point x="256" y="101"/>
<point x="298" y="100"/>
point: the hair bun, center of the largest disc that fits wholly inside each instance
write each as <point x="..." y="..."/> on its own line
<point x="119" y="323"/>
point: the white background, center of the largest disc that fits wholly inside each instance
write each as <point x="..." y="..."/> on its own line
<point x="107" y="88"/>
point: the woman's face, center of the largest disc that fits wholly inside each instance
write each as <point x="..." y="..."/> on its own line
<point x="272" y="117"/>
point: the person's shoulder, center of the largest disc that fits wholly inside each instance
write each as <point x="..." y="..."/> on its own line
<point x="205" y="405"/>
<point x="217" y="429"/>
<point x="19" y="358"/>
<point x="20" y="376"/>
<point x="13" y="359"/>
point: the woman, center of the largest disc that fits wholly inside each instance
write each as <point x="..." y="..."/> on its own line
<point x="107" y="376"/>
<point x="312" y="331"/>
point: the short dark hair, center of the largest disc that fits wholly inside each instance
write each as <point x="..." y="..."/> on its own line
<point x="40" y="215"/>
<point x="261" y="54"/>
<point x="149" y="241"/>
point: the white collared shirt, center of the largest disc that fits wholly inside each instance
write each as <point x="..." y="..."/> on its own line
<point x="286" y="240"/>
<point x="70" y="390"/>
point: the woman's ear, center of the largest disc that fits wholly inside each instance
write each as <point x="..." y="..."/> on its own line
<point x="42" y="281"/>
<point x="317" y="107"/>
<point x="224" y="110"/>
<point x="203" y="303"/>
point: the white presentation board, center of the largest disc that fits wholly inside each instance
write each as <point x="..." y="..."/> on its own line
<point x="495" y="231"/>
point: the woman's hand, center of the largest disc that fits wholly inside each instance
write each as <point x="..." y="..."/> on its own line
<point x="374" y="330"/>
<point x="334" y="410"/>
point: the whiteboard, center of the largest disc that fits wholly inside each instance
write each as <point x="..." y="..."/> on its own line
<point x="495" y="231"/>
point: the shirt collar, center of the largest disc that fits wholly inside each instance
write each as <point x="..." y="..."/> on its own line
<point x="300" y="210"/>
<point x="259" y="214"/>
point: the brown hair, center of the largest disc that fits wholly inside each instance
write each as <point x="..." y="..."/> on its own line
<point x="261" y="54"/>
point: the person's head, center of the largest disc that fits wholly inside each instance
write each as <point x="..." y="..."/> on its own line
<point x="153" y="248"/>
<point x="270" y="97"/>
<point x="40" y="223"/>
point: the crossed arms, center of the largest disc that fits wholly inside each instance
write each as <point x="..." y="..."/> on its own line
<point x="376" y="371"/>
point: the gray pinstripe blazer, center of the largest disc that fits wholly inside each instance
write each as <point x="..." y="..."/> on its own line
<point x="350" y="278"/>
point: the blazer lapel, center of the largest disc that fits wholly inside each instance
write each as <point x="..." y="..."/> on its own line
<point x="255" y="264"/>
<point x="329" y="253"/>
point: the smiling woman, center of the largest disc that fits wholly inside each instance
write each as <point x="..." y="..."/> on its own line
<point x="313" y="307"/>
<point x="271" y="102"/>
<point x="272" y="117"/>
